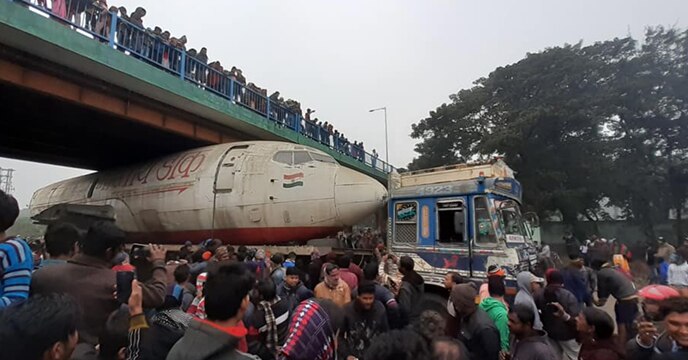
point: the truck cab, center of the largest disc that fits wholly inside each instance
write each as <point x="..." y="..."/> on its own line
<point x="460" y="218"/>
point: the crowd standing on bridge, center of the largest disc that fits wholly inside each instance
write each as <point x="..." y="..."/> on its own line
<point x="81" y="297"/>
<point x="160" y="48"/>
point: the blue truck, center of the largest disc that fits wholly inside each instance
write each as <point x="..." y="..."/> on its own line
<point x="460" y="218"/>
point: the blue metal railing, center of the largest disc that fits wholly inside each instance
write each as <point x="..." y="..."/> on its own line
<point x="88" y="16"/>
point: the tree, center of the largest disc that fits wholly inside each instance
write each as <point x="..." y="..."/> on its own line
<point x="651" y="125"/>
<point x="578" y="124"/>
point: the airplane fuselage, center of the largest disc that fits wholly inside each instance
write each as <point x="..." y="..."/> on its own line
<point x="256" y="192"/>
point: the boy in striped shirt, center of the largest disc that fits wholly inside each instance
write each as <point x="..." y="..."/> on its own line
<point x="16" y="258"/>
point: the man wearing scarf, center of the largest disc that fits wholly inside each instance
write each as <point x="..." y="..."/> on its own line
<point x="312" y="332"/>
<point x="332" y="288"/>
<point x="268" y="324"/>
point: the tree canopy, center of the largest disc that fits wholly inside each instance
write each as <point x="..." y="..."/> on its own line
<point x="579" y="124"/>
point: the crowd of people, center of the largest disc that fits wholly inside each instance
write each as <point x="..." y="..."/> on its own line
<point x="82" y="297"/>
<point x="363" y="238"/>
<point x="668" y="265"/>
<point x="160" y="48"/>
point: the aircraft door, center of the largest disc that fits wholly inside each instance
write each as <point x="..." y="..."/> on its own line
<point x="229" y="165"/>
<point x="226" y="187"/>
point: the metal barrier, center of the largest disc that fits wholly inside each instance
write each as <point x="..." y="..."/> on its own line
<point x="89" y="17"/>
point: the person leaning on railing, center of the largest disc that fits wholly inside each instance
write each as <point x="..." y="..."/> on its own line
<point x="214" y="76"/>
<point x="160" y="48"/>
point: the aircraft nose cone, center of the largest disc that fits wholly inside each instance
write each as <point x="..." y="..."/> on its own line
<point x="356" y="196"/>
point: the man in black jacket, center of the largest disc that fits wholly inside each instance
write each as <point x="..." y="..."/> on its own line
<point x="411" y="291"/>
<point x="561" y="330"/>
<point x="292" y="289"/>
<point x="478" y="332"/>
<point x="364" y="319"/>
<point x="528" y="343"/>
<point x="269" y="322"/>
<point x="383" y="295"/>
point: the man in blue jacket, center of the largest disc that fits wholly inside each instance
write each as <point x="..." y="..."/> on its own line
<point x="293" y="290"/>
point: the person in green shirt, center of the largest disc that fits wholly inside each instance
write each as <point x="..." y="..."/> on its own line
<point x="496" y="310"/>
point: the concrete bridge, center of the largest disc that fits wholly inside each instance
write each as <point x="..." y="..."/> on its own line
<point x="72" y="95"/>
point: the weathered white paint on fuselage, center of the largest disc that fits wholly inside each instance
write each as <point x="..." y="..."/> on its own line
<point x="176" y="194"/>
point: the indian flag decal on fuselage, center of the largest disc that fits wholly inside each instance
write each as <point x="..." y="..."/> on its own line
<point x="292" y="180"/>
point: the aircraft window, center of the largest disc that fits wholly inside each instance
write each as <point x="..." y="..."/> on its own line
<point x="322" y="158"/>
<point x="284" y="157"/>
<point x="301" y="157"/>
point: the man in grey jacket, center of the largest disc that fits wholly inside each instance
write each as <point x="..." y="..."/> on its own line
<point x="524" y="296"/>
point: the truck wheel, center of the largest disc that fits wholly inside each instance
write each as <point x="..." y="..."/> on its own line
<point x="434" y="302"/>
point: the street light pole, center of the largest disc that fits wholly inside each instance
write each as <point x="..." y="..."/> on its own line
<point x="384" y="108"/>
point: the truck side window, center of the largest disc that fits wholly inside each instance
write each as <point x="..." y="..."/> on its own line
<point x="484" y="231"/>
<point x="451" y="222"/>
<point x="406" y="222"/>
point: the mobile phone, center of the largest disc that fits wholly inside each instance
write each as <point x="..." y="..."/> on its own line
<point x="137" y="250"/>
<point x="124" y="279"/>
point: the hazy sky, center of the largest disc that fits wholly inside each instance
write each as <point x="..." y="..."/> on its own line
<point x="343" y="58"/>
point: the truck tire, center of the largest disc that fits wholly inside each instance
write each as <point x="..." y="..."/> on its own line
<point x="434" y="302"/>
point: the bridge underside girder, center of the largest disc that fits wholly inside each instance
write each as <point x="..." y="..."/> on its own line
<point x="41" y="128"/>
<point x="48" y="118"/>
<point x="117" y="109"/>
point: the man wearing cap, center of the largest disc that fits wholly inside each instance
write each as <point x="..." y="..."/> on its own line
<point x="492" y="271"/>
<point x="651" y="344"/>
<point x="477" y="331"/>
<point x="651" y="297"/>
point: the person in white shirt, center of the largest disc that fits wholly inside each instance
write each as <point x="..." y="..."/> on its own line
<point x="678" y="270"/>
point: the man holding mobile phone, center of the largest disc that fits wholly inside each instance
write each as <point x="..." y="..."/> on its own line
<point x="559" y="309"/>
<point x="650" y="344"/>
<point x="88" y="277"/>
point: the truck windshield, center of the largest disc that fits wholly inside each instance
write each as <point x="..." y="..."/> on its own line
<point x="511" y="220"/>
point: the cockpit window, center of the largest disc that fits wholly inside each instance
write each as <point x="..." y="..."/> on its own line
<point x="322" y="158"/>
<point x="284" y="157"/>
<point x="301" y="157"/>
